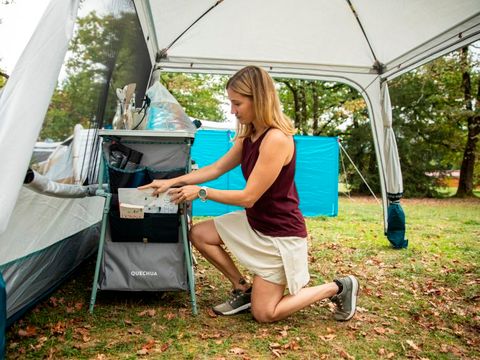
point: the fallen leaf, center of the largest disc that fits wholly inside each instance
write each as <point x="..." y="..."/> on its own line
<point x="412" y="345"/>
<point x="53" y="301"/>
<point x="165" y="346"/>
<point x="59" y="328"/>
<point x="28" y="332"/>
<point x="345" y="355"/>
<point x="237" y="351"/>
<point x="444" y="348"/>
<point x="292" y="345"/>
<point x="148" y="312"/>
<point x="41" y="340"/>
<point x="328" y="337"/>
<point x="277" y="353"/>
<point x="149" y="344"/>
<point x="211" y="313"/>
<point x="170" y="316"/>
<point x="142" y="352"/>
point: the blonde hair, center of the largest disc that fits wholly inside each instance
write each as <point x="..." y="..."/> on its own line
<point x="257" y="84"/>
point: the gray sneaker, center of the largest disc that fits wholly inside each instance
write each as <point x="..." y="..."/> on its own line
<point x="239" y="301"/>
<point x="346" y="301"/>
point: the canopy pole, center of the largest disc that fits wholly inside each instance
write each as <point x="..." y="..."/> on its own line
<point x="372" y="97"/>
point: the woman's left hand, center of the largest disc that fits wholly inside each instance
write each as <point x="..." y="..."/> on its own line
<point x="184" y="193"/>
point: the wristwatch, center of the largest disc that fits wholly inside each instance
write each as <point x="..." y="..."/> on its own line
<point x="202" y="193"/>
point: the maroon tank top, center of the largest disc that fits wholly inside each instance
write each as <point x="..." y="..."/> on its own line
<point x="276" y="212"/>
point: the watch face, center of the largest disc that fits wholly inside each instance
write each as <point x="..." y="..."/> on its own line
<point x="202" y="193"/>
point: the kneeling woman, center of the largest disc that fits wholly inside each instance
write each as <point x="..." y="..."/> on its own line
<point x="269" y="237"/>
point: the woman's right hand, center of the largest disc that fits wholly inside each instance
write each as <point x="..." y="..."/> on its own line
<point x="158" y="186"/>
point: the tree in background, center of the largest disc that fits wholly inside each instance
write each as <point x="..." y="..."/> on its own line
<point x="429" y="120"/>
<point x="316" y="108"/>
<point x="201" y="95"/>
<point x="97" y="64"/>
<point x="105" y="54"/>
<point x="470" y="115"/>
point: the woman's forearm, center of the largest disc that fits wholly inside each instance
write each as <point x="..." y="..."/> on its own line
<point x="199" y="176"/>
<point x="240" y="198"/>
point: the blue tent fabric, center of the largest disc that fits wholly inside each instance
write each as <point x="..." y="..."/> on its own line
<point x="3" y="316"/>
<point x="396" y="226"/>
<point x="316" y="174"/>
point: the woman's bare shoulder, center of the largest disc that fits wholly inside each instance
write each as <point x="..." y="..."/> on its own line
<point x="278" y="137"/>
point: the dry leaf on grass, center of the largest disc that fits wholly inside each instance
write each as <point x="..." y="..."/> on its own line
<point x="345" y="355"/>
<point x="170" y="316"/>
<point x="211" y="313"/>
<point x="277" y="353"/>
<point x="29" y="331"/>
<point x="413" y="345"/>
<point x="237" y="351"/>
<point x="148" y="312"/>
<point x="292" y="345"/>
<point x="328" y="337"/>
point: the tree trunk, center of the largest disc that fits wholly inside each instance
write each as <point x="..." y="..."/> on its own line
<point x="315" y="110"/>
<point x="303" y="109"/>
<point x="465" y="183"/>
<point x="296" y="104"/>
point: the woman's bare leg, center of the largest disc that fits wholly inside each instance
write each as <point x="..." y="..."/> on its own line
<point x="205" y="238"/>
<point x="270" y="304"/>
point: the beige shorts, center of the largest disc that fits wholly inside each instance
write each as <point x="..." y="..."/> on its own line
<point x="280" y="260"/>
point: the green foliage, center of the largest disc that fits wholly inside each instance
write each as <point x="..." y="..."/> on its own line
<point x="338" y="110"/>
<point x="317" y="108"/>
<point x="105" y="55"/>
<point x="201" y="95"/>
<point x="102" y="58"/>
<point x="429" y="120"/>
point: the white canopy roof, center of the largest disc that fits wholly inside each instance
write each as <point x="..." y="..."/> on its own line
<point x="340" y="38"/>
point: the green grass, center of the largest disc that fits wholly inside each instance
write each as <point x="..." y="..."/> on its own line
<point x="420" y="302"/>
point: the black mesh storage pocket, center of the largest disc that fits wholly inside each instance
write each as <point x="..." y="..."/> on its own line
<point x="161" y="228"/>
<point x="126" y="179"/>
<point x="125" y="230"/>
<point x="164" y="174"/>
<point x="153" y="228"/>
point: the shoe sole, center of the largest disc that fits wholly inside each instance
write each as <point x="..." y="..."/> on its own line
<point x="234" y="311"/>
<point x="354" y="296"/>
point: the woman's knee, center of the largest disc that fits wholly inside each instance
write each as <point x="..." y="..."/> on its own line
<point x="202" y="233"/>
<point x="195" y="234"/>
<point x="263" y="315"/>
